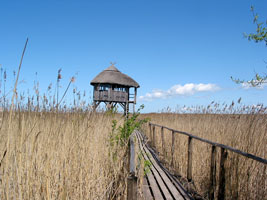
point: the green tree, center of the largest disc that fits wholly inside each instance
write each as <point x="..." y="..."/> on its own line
<point x="259" y="36"/>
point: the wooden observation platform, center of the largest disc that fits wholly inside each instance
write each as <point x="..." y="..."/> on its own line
<point x="113" y="87"/>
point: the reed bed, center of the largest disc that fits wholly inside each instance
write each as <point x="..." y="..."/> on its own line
<point x="57" y="148"/>
<point x="243" y="128"/>
<point x="59" y="156"/>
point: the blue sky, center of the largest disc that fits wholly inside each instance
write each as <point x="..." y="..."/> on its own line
<point x="180" y="52"/>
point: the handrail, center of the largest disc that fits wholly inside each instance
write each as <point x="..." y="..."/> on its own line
<point x="223" y="157"/>
<point x="248" y="155"/>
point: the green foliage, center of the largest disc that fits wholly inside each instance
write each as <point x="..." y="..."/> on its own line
<point x="259" y="36"/>
<point x="261" y="30"/>
<point x="112" y="111"/>
<point x="254" y="82"/>
<point x="147" y="165"/>
<point x="121" y="134"/>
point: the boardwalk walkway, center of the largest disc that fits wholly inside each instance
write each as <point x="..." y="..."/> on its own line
<point x="158" y="183"/>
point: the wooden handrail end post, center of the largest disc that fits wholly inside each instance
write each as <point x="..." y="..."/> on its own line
<point x="172" y="149"/>
<point x="189" y="159"/>
<point x="132" y="179"/>
<point x="150" y="131"/>
<point x="163" y="142"/>
<point x="131" y="187"/>
<point x="153" y="137"/>
<point x="221" y="192"/>
<point x="212" y="173"/>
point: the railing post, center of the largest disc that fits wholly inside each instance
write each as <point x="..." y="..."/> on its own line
<point x="153" y="139"/>
<point x="212" y="173"/>
<point x="132" y="179"/>
<point x="189" y="159"/>
<point x="172" y="147"/>
<point x="221" y="193"/>
<point x="163" y="142"/>
<point x="150" y="131"/>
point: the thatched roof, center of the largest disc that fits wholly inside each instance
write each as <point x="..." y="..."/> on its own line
<point x="112" y="75"/>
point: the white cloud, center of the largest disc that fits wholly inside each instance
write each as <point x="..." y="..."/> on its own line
<point x="155" y="94"/>
<point x="180" y="90"/>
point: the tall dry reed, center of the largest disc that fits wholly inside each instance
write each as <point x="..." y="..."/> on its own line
<point x="245" y="178"/>
<point x="59" y="156"/>
<point x="51" y="149"/>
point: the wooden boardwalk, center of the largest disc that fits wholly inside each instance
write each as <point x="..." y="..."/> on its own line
<point x="158" y="183"/>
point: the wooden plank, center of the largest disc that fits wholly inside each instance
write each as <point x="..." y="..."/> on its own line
<point x="173" y="182"/>
<point x="161" y="184"/>
<point x="182" y="193"/>
<point x="176" y="188"/>
<point x="154" y="187"/>
<point x="170" y="190"/>
<point x="154" y="178"/>
<point x="150" y="178"/>
<point x="146" y="190"/>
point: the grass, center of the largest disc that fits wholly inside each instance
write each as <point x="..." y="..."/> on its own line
<point x="242" y="128"/>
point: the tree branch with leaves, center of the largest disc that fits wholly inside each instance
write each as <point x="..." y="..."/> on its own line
<point x="259" y="36"/>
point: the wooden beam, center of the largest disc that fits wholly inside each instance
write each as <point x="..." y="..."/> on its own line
<point x="172" y="148"/>
<point x="150" y="131"/>
<point x="221" y="192"/>
<point x="126" y="110"/>
<point x="163" y="142"/>
<point x="153" y="139"/>
<point x="122" y="105"/>
<point x="212" y="173"/>
<point x="135" y="93"/>
<point x="95" y="105"/>
<point x="131" y="188"/>
<point x="189" y="159"/>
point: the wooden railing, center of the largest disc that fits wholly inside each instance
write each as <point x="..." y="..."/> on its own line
<point x="223" y="157"/>
<point x="111" y="95"/>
